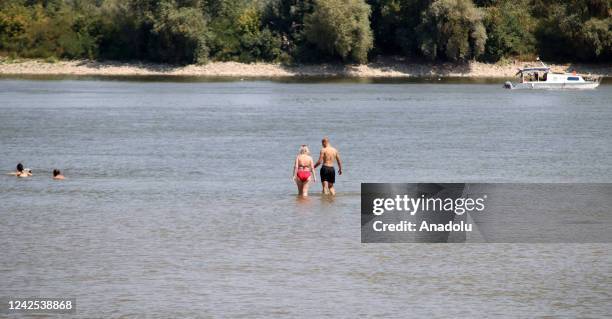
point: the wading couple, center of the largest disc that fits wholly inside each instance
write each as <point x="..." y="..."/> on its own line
<point x="304" y="168"/>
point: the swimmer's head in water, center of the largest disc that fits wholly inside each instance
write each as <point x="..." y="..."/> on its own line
<point x="56" y="172"/>
<point x="20" y="167"/>
<point x="325" y="141"/>
<point x="304" y="150"/>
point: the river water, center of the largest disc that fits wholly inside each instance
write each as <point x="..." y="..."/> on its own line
<point x="178" y="200"/>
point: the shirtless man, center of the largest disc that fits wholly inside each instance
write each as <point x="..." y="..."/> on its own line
<point x="328" y="174"/>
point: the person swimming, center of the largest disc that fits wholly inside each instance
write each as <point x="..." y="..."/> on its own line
<point x="26" y="173"/>
<point x="57" y="174"/>
<point x="303" y="170"/>
<point x="22" y="172"/>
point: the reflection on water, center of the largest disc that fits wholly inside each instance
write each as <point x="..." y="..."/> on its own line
<point x="177" y="194"/>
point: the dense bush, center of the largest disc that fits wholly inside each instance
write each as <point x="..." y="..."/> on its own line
<point x="510" y="31"/>
<point x="394" y="23"/>
<point x="286" y="18"/>
<point x="239" y="35"/>
<point x="340" y="28"/>
<point x="123" y="34"/>
<point x="452" y="29"/>
<point x="193" y="31"/>
<point x="178" y="34"/>
<point x="38" y="31"/>
<point x="579" y="30"/>
<point x="257" y="43"/>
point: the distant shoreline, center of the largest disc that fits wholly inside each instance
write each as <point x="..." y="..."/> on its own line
<point x="387" y="68"/>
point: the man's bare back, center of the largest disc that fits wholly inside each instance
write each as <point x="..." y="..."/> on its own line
<point x="327" y="157"/>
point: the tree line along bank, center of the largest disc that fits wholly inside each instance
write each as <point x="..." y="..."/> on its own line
<point x="306" y="31"/>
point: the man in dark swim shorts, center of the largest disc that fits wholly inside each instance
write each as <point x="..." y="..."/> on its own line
<point x="328" y="174"/>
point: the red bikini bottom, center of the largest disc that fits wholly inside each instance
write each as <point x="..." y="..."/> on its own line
<point x="303" y="175"/>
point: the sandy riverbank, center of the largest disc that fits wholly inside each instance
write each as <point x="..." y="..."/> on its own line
<point x="387" y="68"/>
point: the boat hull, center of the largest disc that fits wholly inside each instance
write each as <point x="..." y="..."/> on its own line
<point x="551" y="86"/>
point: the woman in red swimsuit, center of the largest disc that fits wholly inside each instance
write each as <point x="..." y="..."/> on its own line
<point x="303" y="170"/>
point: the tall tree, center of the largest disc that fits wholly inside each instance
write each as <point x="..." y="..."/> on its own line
<point x="286" y="18"/>
<point x="340" y="28"/>
<point x="510" y="30"/>
<point x="453" y="30"/>
<point x="575" y="30"/>
<point x="394" y="23"/>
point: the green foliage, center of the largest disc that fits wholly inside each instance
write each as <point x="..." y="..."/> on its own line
<point x="169" y="31"/>
<point x="54" y="31"/>
<point x="577" y="30"/>
<point x="597" y="38"/>
<point x="286" y="18"/>
<point x="192" y="31"/>
<point x="452" y="29"/>
<point x="224" y="8"/>
<point x="123" y="35"/>
<point x="394" y="23"/>
<point x="257" y="43"/>
<point x="178" y="34"/>
<point x="340" y="28"/>
<point x="240" y="36"/>
<point x="510" y="31"/>
<point x="386" y="18"/>
<point x="15" y="20"/>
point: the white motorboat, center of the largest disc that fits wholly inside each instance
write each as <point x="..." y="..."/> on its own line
<point x="543" y="78"/>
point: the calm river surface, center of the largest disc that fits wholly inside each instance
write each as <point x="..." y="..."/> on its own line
<point x="178" y="200"/>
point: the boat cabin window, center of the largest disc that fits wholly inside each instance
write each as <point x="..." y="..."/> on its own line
<point x="573" y="78"/>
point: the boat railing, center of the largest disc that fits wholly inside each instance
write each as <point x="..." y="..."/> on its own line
<point x="592" y="77"/>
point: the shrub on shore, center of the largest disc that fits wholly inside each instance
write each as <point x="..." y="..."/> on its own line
<point x="580" y="30"/>
<point x="37" y="31"/>
<point x="340" y="28"/>
<point x="510" y="31"/>
<point x="452" y="29"/>
<point x="194" y="31"/>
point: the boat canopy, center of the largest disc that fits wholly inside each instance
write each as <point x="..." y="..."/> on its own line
<point x="543" y="69"/>
<point x="533" y="69"/>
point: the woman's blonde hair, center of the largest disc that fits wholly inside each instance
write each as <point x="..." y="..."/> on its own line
<point x="304" y="150"/>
